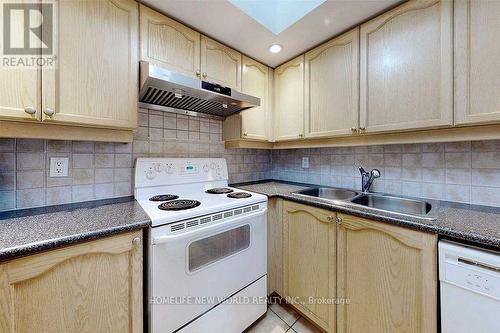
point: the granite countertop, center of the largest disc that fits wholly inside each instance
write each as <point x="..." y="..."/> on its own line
<point x="479" y="225"/>
<point x="28" y="231"/>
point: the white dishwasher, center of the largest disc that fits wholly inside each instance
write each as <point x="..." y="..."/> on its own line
<point x="470" y="289"/>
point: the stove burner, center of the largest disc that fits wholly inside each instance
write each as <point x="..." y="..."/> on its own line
<point x="239" y="195"/>
<point x="219" y="190"/>
<point x="179" y="204"/>
<point x="164" y="197"/>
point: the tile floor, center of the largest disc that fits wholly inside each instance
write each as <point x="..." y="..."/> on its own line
<point x="281" y="318"/>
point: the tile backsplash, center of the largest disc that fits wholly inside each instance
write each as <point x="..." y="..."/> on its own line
<point x="467" y="172"/>
<point x="105" y="170"/>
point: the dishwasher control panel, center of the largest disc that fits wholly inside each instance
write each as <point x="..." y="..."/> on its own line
<point x="472" y="269"/>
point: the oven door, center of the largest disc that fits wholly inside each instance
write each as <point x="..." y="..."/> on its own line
<point x="193" y="271"/>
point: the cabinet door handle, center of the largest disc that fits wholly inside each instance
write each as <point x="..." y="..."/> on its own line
<point x="354" y="129"/>
<point x="329" y="218"/>
<point x="245" y="134"/>
<point x="301" y="135"/>
<point x="204" y="75"/>
<point x="198" y="73"/>
<point x="339" y="220"/>
<point x="362" y="128"/>
<point x="49" y="112"/>
<point x="136" y="241"/>
<point x="30" y="110"/>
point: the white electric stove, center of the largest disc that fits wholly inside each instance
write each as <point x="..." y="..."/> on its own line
<point x="207" y="252"/>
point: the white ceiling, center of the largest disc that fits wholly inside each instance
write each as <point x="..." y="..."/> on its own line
<point x="223" y="21"/>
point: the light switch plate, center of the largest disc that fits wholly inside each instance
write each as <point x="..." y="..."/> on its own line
<point x="305" y="162"/>
<point x="59" y="167"/>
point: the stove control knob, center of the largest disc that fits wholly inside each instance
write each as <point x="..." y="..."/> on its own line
<point x="170" y="169"/>
<point x="150" y="174"/>
<point x="205" y="168"/>
<point x="158" y="167"/>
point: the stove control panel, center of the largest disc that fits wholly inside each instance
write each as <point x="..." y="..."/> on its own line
<point x="169" y="171"/>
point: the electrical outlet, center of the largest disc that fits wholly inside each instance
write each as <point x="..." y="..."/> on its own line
<point x="59" y="166"/>
<point x="305" y="162"/>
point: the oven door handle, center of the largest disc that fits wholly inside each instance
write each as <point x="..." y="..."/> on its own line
<point x="163" y="239"/>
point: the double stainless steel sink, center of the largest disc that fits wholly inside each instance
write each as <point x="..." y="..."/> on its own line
<point x="424" y="209"/>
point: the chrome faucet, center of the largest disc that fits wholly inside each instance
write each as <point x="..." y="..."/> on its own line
<point x="367" y="178"/>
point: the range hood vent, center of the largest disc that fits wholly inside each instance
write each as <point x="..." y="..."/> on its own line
<point x="165" y="90"/>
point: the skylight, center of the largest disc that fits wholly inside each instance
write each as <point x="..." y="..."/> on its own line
<point x="276" y="15"/>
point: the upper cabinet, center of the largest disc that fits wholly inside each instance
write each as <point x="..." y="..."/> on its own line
<point x="255" y="82"/>
<point x="169" y="44"/>
<point x="220" y="64"/>
<point x="289" y="100"/>
<point x="90" y="92"/>
<point x="331" y="87"/>
<point x="20" y="94"/>
<point x="96" y="80"/>
<point x="477" y="61"/>
<point x="406" y="68"/>
<point x="253" y="123"/>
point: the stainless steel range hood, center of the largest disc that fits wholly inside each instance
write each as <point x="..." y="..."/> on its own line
<point x="165" y="90"/>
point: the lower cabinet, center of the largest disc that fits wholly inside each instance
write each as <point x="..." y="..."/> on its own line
<point x="389" y="275"/>
<point x="383" y="277"/>
<point x="89" y="287"/>
<point x="309" y="262"/>
<point x="275" y="246"/>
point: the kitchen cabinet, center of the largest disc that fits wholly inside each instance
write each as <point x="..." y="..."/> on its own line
<point x="331" y="87"/>
<point x="253" y="123"/>
<point x="255" y="82"/>
<point x="289" y="100"/>
<point x="389" y="275"/>
<point x="91" y="92"/>
<point x="89" y="287"/>
<point x="20" y="94"/>
<point x="477" y="62"/>
<point x="96" y="80"/>
<point x="406" y="68"/>
<point x="309" y="262"/>
<point x="169" y="44"/>
<point x="220" y="64"/>
<point x="275" y="246"/>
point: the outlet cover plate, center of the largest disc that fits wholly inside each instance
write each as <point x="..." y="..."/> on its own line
<point x="305" y="162"/>
<point x="59" y="166"/>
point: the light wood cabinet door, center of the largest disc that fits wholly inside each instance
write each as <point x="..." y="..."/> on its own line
<point x="289" y="100"/>
<point x="309" y="261"/>
<point x="255" y="82"/>
<point x="275" y="246"/>
<point x="96" y="82"/>
<point x="331" y="96"/>
<point x="477" y="62"/>
<point x="169" y="44"/>
<point x="90" y="287"/>
<point x="406" y="68"/>
<point x="20" y="94"/>
<point x="220" y="64"/>
<point x="388" y="273"/>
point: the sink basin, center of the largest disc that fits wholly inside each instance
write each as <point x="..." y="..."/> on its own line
<point x="395" y="205"/>
<point x="329" y="193"/>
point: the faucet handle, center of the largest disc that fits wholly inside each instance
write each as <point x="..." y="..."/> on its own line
<point x="375" y="173"/>
<point x="362" y="170"/>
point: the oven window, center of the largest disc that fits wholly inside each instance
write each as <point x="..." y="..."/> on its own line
<point x="216" y="247"/>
